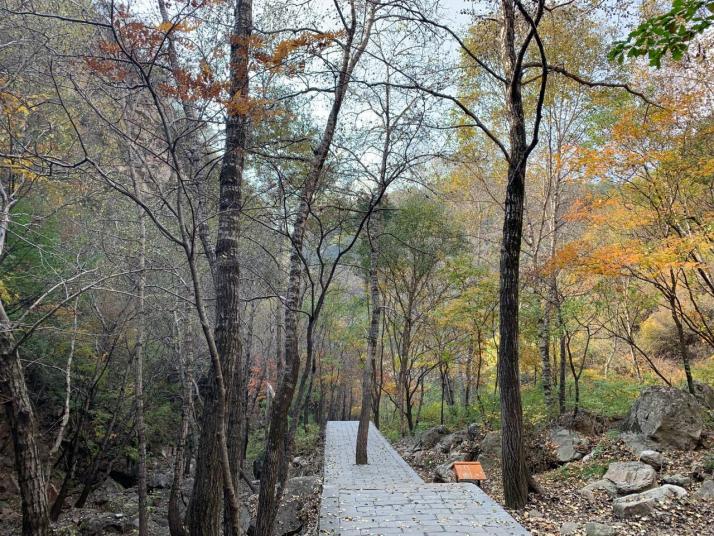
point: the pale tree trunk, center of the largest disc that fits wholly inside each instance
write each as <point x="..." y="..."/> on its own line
<point x="184" y="355"/>
<point x="370" y="364"/>
<point x="563" y="358"/>
<point x="67" y="396"/>
<point x="139" y="350"/>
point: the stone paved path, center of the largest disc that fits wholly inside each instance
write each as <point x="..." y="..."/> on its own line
<point x="388" y="497"/>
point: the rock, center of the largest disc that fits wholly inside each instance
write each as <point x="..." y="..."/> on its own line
<point x="431" y="437"/>
<point x="160" y="480"/>
<point x="700" y="471"/>
<point x="653" y="458"/>
<point x="599" y="485"/>
<point x="706" y="490"/>
<point x="105" y="523"/>
<point x="568" y="444"/>
<point x="677" y="479"/>
<point x="490" y="451"/>
<point x="473" y="431"/>
<point x="569" y="529"/>
<point x="534" y="514"/>
<point x="642" y="504"/>
<point x="444" y="473"/>
<point x="299" y="461"/>
<point x="705" y="394"/>
<point x="449" y="441"/>
<point x="599" y="529"/>
<point x="638" y="442"/>
<point x="667" y="415"/>
<point x="631" y="477"/>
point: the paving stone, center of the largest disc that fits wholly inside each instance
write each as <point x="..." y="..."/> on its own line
<point x="388" y="497"/>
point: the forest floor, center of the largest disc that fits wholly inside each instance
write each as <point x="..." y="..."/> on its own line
<point x="560" y="502"/>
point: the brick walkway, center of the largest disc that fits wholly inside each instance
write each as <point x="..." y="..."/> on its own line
<point x="387" y="496"/>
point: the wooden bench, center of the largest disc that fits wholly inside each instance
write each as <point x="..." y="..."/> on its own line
<point x="469" y="472"/>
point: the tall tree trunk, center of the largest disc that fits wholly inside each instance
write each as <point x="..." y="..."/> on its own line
<point x="563" y="359"/>
<point x="23" y="425"/>
<point x="544" y="348"/>
<point x="370" y="365"/>
<point x="515" y="472"/>
<point x="139" y="349"/>
<point x="211" y="481"/>
<point x="184" y="355"/>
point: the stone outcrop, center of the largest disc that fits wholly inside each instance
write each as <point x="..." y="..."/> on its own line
<point x="669" y="416"/>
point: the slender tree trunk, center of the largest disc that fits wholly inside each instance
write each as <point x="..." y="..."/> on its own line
<point x="544" y="348"/>
<point x="23" y="425"/>
<point x="184" y="355"/>
<point x="563" y="359"/>
<point x="370" y="365"/>
<point x="515" y="472"/>
<point x="683" y="350"/>
<point x="139" y="351"/>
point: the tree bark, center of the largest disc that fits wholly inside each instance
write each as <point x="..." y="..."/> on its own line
<point x="515" y="472"/>
<point x="211" y="481"/>
<point x="139" y="351"/>
<point x="23" y="425"/>
<point x="370" y="365"/>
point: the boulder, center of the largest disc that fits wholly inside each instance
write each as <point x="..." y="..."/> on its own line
<point x="705" y="394"/>
<point x="569" y="529"/>
<point x="706" y="491"/>
<point x="444" y="473"/>
<point x="599" y="529"/>
<point x="701" y="471"/>
<point x="653" y="458"/>
<point x="638" y="442"/>
<point x="642" y="504"/>
<point x="160" y="480"/>
<point x="473" y="430"/>
<point x="631" y="477"/>
<point x="668" y="416"/>
<point x="599" y="485"/>
<point x="569" y="444"/>
<point x="450" y="441"/>
<point x="106" y="523"/>
<point x="431" y="437"/>
<point x="677" y="479"/>
<point x="490" y="451"/>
